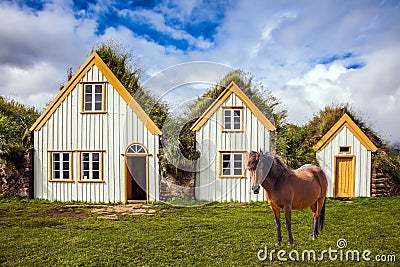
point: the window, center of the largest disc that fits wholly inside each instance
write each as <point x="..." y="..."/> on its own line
<point x="93" y="98"/>
<point x="136" y="149"/>
<point x="231" y="164"/>
<point x="61" y="167"/>
<point x="232" y="119"/>
<point x="344" y="150"/>
<point x="91" y="166"/>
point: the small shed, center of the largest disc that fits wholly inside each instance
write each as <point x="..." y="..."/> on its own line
<point x="344" y="154"/>
<point x="95" y="143"/>
<point x="231" y="126"/>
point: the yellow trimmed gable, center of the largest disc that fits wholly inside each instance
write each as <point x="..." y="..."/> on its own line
<point x="232" y="88"/>
<point x="345" y="121"/>
<point x="94" y="59"/>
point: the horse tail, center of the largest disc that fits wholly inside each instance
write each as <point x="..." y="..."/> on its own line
<point x="321" y="217"/>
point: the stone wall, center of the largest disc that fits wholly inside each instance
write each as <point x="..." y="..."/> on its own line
<point x="383" y="184"/>
<point x="169" y="189"/>
<point x="16" y="176"/>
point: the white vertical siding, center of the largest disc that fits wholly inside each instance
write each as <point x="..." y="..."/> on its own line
<point x="362" y="168"/>
<point x="68" y="129"/>
<point x="254" y="137"/>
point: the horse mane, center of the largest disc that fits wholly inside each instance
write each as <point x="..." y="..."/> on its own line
<point x="252" y="160"/>
<point x="279" y="168"/>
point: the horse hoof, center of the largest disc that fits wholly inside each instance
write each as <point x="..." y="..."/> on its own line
<point x="289" y="245"/>
<point x="314" y="237"/>
<point x="277" y="244"/>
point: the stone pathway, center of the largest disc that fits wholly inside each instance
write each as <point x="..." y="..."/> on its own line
<point x="108" y="212"/>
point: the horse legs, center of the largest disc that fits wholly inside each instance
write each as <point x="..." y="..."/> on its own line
<point x="315" y="227"/>
<point x="317" y="207"/>
<point x="277" y="215"/>
<point x="313" y="208"/>
<point x="288" y="216"/>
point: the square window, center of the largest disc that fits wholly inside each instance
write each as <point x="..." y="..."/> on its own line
<point x="91" y="166"/>
<point x="233" y="119"/>
<point x="231" y="164"/>
<point x="61" y="166"/>
<point x="93" y="97"/>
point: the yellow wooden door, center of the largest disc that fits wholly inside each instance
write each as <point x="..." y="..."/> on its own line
<point x="344" y="177"/>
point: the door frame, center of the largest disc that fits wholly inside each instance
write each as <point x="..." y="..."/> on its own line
<point x="126" y="170"/>
<point x="353" y="171"/>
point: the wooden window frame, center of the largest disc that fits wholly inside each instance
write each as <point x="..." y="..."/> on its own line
<point x="51" y="168"/>
<point x="101" y="166"/>
<point x="103" y="99"/>
<point x="220" y="164"/>
<point x="241" y="109"/>
<point x="344" y="153"/>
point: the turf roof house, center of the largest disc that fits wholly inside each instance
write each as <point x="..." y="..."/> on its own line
<point x="231" y="126"/>
<point x="92" y="139"/>
<point x="344" y="154"/>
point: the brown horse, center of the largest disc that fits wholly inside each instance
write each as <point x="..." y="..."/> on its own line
<point x="287" y="190"/>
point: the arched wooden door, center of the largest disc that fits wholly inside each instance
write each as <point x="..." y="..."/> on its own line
<point x="136" y="172"/>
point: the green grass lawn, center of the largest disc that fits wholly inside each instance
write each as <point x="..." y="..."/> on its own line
<point x="214" y="235"/>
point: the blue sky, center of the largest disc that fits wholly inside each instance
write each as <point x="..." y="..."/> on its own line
<point x="308" y="53"/>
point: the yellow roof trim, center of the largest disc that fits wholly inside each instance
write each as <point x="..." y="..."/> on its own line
<point x="94" y="59"/>
<point x="345" y="121"/>
<point x="232" y="88"/>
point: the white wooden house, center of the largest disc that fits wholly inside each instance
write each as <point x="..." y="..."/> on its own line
<point x="95" y="143"/>
<point x="344" y="154"/>
<point x="230" y="127"/>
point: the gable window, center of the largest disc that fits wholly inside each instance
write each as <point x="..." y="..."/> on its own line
<point x="344" y="150"/>
<point x="61" y="166"/>
<point x="231" y="164"/>
<point x="232" y="119"/>
<point x="91" y="167"/>
<point x="93" y="97"/>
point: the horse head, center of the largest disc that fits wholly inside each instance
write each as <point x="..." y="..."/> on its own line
<point x="263" y="167"/>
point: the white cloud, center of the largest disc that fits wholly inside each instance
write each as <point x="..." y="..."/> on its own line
<point x="280" y="44"/>
<point x="304" y="95"/>
<point x="38" y="48"/>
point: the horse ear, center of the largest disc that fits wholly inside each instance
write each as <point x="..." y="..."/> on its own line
<point x="260" y="153"/>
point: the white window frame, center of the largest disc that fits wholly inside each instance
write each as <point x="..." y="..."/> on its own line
<point x="88" y="168"/>
<point x="230" y="158"/>
<point x="96" y="103"/>
<point x="229" y="116"/>
<point x="64" y="165"/>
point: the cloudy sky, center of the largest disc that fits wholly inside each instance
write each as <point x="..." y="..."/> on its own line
<point x="308" y="53"/>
